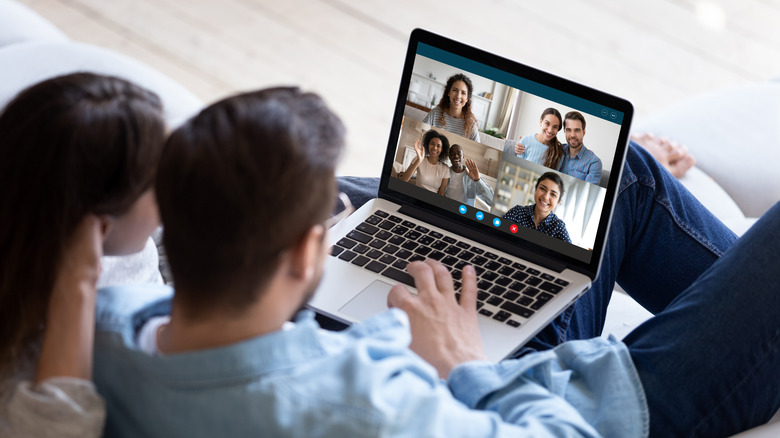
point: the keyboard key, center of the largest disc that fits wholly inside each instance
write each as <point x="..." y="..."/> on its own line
<point x="544" y="297"/>
<point x="408" y="224"/>
<point x="375" y="266"/>
<point x="426" y="240"/>
<point x="485" y="312"/>
<point x="495" y="301"/>
<point x="367" y="228"/>
<point x="360" y="249"/>
<point x="381" y="213"/>
<point x="519" y="266"/>
<point x="439" y="244"/>
<point x="400" y="264"/>
<point x="336" y="250"/>
<point x="449" y="239"/>
<point x="422" y="229"/>
<point x="436" y="234"/>
<point x="390" y="249"/>
<point x="501" y="316"/>
<point x="400" y="230"/>
<point x="533" y="281"/>
<point x="436" y="255"/>
<point x="504" y="281"/>
<point x="550" y="287"/>
<point x="491" y="256"/>
<point x="532" y="271"/>
<point x="478" y="260"/>
<point x="395" y="219"/>
<point x="483" y="285"/>
<point x="374" y="219"/>
<point x="399" y="276"/>
<point x="384" y="235"/>
<point x="457" y="274"/>
<point x="387" y="259"/>
<point x="497" y="290"/>
<point x="530" y="291"/>
<point x="517" y="309"/>
<point x="386" y="225"/>
<point x="346" y="243"/>
<point x="360" y="260"/>
<point x="466" y="255"/>
<point x="504" y="261"/>
<point x="517" y="286"/>
<point x="452" y="250"/>
<point x="415" y="258"/>
<point x="347" y="255"/>
<point x="482" y="295"/>
<point x="374" y="254"/>
<point x="476" y="250"/>
<point x="560" y="282"/>
<point x="423" y="250"/>
<point x="449" y="261"/>
<point x="547" y="277"/>
<point x="463" y="245"/>
<point x="511" y="296"/>
<point x="512" y="323"/>
<point x="489" y="275"/>
<point x="413" y="235"/>
<point x="410" y="245"/>
<point x="396" y="240"/>
<point x="538" y="304"/>
<point x="519" y="276"/>
<point x="506" y="270"/>
<point x="360" y="237"/>
<point x="524" y="301"/>
<point x="492" y="266"/>
<point x="403" y="254"/>
<point x="377" y="244"/>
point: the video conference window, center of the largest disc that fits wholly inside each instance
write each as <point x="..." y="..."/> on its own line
<point x="522" y="158"/>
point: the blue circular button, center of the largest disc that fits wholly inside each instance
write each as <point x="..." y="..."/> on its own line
<point x="480" y="215"/>
<point x="496" y="222"/>
<point x="462" y="209"/>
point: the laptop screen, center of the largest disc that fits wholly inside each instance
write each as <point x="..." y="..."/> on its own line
<point x="505" y="150"/>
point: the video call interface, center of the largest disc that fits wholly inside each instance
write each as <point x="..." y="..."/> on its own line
<point x="499" y="149"/>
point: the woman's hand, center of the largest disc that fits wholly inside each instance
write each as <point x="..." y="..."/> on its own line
<point x="471" y="169"/>
<point x="519" y="148"/>
<point x="420" y="150"/>
<point x="70" y="322"/>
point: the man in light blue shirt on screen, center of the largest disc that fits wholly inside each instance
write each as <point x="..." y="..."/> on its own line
<point x="578" y="161"/>
<point x="246" y="189"/>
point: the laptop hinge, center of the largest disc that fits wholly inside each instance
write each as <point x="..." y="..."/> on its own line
<point x="484" y="239"/>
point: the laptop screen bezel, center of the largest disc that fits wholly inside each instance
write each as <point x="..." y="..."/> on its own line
<point x="482" y="233"/>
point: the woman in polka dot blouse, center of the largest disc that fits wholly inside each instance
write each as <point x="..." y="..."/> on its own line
<point x="539" y="216"/>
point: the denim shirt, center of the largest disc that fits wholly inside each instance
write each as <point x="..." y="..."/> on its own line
<point x="361" y="382"/>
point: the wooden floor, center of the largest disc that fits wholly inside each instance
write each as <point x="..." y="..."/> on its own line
<point x="653" y="52"/>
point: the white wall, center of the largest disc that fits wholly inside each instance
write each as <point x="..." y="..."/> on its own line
<point x="600" y="135"/>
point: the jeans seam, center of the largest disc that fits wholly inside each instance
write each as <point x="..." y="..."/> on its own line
<point x="761" y="361"/>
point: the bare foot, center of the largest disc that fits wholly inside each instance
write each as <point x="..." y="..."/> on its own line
<point x="672" y="155"/>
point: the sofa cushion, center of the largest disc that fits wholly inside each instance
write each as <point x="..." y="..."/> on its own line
<point x="20" y="24"/>
<point x="734" y="134"/>
<point x="44" y="60"/>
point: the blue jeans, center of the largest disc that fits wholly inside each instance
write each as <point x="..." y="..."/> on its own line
<point x="708" y="360"/>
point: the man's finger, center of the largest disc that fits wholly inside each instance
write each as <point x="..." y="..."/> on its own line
<point x="423" y="277"/>
<point x="468" y="293"/>
<point x="442" y="276"/>
<point x="399" y="297"/>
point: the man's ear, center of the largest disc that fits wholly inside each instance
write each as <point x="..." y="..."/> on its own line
<point x="106" y="226"/>
<point x="306" y="256"/>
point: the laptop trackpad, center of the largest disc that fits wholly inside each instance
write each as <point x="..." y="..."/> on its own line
<point x="369" y="302"/>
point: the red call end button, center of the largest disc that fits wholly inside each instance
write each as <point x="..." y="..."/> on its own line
<point x="513" y="228"/>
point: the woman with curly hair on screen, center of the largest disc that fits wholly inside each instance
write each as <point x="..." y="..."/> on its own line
<point x="453" y="113"/>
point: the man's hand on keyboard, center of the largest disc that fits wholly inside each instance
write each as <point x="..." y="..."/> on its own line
<point x="444" y="332"/>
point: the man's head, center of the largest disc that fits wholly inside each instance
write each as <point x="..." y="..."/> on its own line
<point x="240" y="187"/>
<point x="574" y="129"/>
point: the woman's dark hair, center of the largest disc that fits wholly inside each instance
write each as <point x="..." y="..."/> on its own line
<point x="69" y="146"/>
<point x="445" y="144"/>
<point x="554" y="177"/>
<point x="554" y="153"/>
<point x="471" y="121"/>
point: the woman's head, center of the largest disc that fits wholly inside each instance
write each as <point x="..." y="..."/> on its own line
<point x="436" y="145"/>
<point x="550" y="123"/>
<point x="549" y="192"/>
<point x="457" y="100"/>
<point x="70" y="146"/>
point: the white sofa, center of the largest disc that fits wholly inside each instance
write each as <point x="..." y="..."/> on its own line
<point x="713" y="127"/>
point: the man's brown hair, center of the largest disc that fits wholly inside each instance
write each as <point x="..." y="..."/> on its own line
<point x="238" y="185"/>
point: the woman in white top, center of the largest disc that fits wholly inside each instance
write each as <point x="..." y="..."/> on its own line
<point x="78" y="156"/>
<point x="432" y="173"/>
<point x="453" y="113"/>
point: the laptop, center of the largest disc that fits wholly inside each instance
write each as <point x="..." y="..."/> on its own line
<point x="526" y="277"/>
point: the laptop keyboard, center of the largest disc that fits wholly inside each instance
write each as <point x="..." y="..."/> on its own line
<point x="507" y="291"/>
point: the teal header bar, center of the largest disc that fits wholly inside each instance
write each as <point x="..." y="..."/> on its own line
<point x="520" y="83"/>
